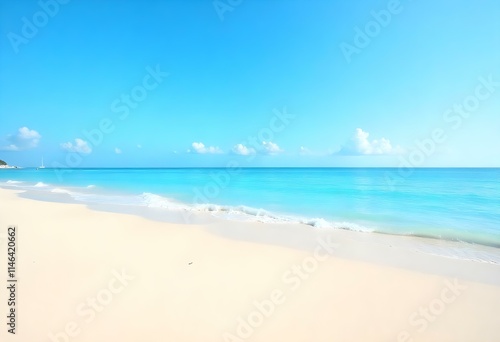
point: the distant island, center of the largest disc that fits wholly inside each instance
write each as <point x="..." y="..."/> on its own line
<point x="4" y="165"/>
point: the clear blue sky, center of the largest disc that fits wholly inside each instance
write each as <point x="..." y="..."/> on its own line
<point x="228" y="77"/>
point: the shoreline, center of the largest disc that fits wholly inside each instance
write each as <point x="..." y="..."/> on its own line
<point x="201" y="213"/>
<point x="211" y="275"/>
<point x="178" y="214"/>
<point x="464" y="251"/>
<point x="302" y="236"/>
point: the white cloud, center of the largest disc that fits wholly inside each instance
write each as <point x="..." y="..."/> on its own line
<point x="117" y="150"/>
<point x="24" y="139"/>
<point x="28" y="134"/>
<point x="360" y="144"/>
<point x="243" y="150"/>
<point x="11" y="147"/>
<point x="271" y="148"/>
<point x="200" y="148"/>
<point x="80" y="146"/>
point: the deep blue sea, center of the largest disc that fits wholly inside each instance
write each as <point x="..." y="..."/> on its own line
<point x="450" y="204"/>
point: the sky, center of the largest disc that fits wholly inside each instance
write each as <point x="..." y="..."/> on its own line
<point x="205" y="83"/>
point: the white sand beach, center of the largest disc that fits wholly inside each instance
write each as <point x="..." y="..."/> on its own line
<point x="93" y="276"/>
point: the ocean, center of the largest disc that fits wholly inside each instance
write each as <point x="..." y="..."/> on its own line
<point x="456" y="204"/>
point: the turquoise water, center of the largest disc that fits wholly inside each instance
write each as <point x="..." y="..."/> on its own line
<point x="449" y="204"/>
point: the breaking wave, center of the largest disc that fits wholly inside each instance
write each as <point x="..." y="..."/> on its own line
<point x="91" y="195"/>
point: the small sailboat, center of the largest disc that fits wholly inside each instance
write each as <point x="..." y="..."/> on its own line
<point x="41" y="167"/>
